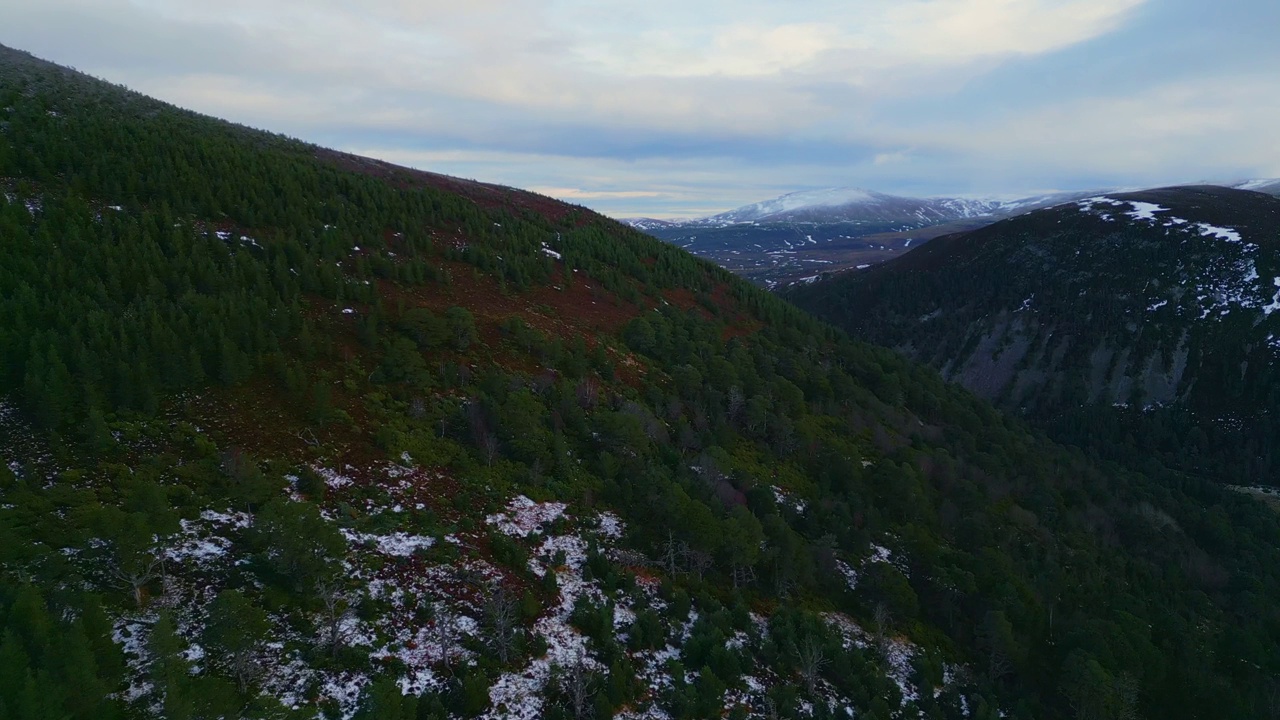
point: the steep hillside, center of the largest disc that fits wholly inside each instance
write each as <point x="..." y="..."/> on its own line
<point x="1148" y="319"/>
<point x="288" y="433"/>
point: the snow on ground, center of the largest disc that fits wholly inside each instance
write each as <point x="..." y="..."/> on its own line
<point x="197" y="545"/>
<point x="332" y="478"/>
<point x="898" y="654"/>
<point x="849" y="573"/>
<point x="131" y="634"/>
<point x="524" y="516"/>
<point x="1145" y="211"/>
<point x="788" y="500"/>
<point x="1229" y="234"/>
<point x="518" y="695"/>
<point x="879" y="554"/>
<point x="1224" y="286"/>
<point x="232" y="518"/>
<point x="398" y="544"/>
<point x="611" y="526"/>
<point x="390" y="570"/>
<point x="1275" y="302"/>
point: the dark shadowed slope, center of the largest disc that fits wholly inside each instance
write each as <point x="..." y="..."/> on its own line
<point x="1151" y="319"/>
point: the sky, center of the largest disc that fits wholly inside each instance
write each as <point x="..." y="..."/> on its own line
<point x="681" y="108"/>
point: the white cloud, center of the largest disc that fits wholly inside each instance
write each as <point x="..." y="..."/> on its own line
<point x="1164" y="129"/>
<point x="959" y="29"/>
<point x="580" y="194"/>
<point x="682" y="105"/>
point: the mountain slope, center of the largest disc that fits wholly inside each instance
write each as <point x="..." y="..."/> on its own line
<point x="1155" y="312"/>
<point x="290" y="433"/>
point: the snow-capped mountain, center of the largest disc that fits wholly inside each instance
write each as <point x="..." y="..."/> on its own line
<point x="856" y="205"/>
<point x="646" y="224"/>
<point x="1270" y="186"/>
<point x="799" y="234"/>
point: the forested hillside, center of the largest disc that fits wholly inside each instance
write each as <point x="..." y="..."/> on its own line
<point x="1141" y="325"/>
<point x="289" y="434"/>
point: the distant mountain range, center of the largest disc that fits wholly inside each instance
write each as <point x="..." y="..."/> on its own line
<point x="798" y="236"/>
<point x="852" y="205"/>
<point x="1149" y="318"/>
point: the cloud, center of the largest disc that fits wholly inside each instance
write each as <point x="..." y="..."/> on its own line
<point x="1161" y="130"/>
<point x="580" y="194"/>
<point x="953" y="29"/>
<point x="671" y="107"/>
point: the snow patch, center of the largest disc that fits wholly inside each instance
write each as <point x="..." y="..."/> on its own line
<point x="397" y="544"/>
<point x="524" y="516"/>
<point x="788" y="500"/>
<point x="1229" y="234"/>
<point x="1275" y="302"/>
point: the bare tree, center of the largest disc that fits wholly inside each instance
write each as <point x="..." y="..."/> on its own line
<point x="698" y="561"/>
<point x="1124" y="697"/>
<point x="997" y="664"/>
<point x="579" y="689"/>
<point x="688" y="438"/>
<point x="501" y="614"/>
<point x="446" y="634"/>
<point x="136" y="571"/>
<point x="671" y="555"/>
<point x="443" y="422"/>
<point x="782" y="580"/>
<point x="588" y="393"/>
<point x="811" y="660"/>
<point x="996" y="635"/>
<point x="882" y="619"/>
<point x="1273" y="700"/>
<point x="628" y="558"/>
<point x="334" y="600"/>
<point x="489" y="445"/>
<point x="743" y="575"/>
<point x="417" y="408"/>
<point x="736" y="402"/>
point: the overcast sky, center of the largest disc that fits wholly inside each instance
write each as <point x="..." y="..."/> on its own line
<point x="688" y="107"/>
